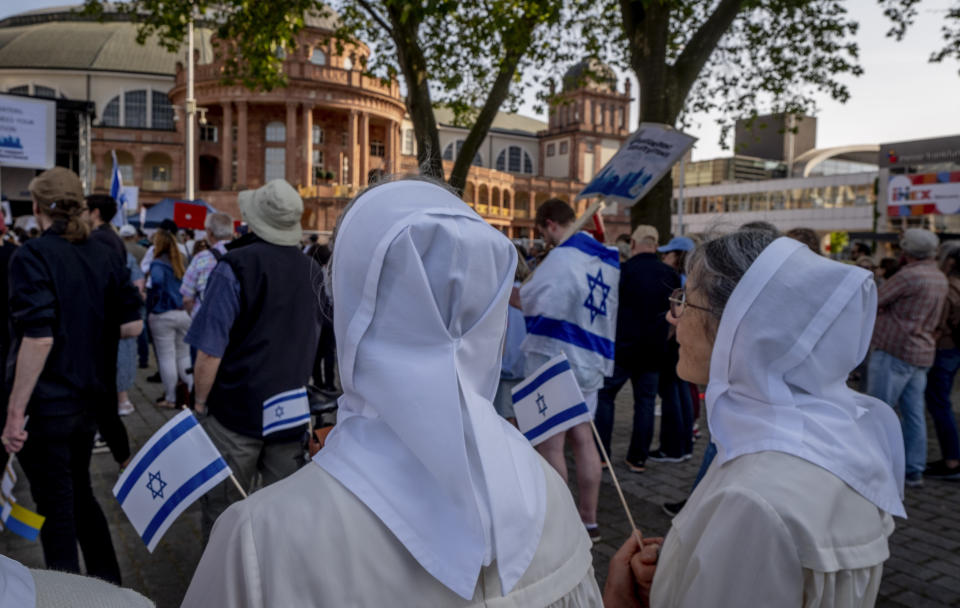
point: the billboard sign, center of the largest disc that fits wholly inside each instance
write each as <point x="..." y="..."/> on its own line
<point x="27" y="132"/>
<point x="923" y="194"/>
<point x="644" y="159"/>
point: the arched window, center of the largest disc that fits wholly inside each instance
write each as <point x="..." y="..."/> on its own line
<point x="515" y="160"/>
<point x="161" y="112"/>
<point x="23" y="89"/>
<point x="111" y="113"/>
<point x="276" y="132"/>
<point x="41" y="91"/>
<point x="448" y="153"/>
<point x="135" y="109"/>
<point x="318" y="57"/>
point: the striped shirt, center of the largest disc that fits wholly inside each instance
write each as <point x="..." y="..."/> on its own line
<point x="909" y="306"/>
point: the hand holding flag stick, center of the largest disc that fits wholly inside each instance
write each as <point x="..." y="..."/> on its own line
<point x="549" y="402"/>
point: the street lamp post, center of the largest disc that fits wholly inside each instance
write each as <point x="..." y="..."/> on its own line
<point x="191" y="111"/>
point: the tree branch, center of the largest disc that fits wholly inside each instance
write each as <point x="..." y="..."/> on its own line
<point x="376" y="16"/>
<point x="702" y="44"/>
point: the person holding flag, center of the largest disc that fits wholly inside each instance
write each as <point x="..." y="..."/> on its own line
<point x="570" y="306"/>
<point x="422" y="493"/>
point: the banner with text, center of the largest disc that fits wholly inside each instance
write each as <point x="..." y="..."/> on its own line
<point x="643" y="160"/>
<point x="28" y="129"/>
<point x="923" y="194"/>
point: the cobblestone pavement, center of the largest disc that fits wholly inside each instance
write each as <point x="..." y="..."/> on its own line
<point x="923" y="570"/>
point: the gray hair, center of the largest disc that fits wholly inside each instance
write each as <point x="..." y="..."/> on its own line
<point x="219" y="226"/>
<point x="717" y="265"/>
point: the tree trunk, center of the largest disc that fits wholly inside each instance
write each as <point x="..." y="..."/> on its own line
<point x="413" y="65"/>
<point x="654" y="209"/>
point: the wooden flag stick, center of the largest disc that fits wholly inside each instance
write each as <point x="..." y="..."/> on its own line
<point x="616" y="483"/>
<point x="237" y="483"/>
<point x="594" y="208"/>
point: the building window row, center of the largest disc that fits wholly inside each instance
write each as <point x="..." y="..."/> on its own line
<point x="377" y="148"/>
<point x="137" y="109"/>
<point x="208" y="133"/>
<point x="38" y="90"/>
<point x="823" y="197"/>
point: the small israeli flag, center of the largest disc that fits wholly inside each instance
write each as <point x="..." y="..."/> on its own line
<point x="178" y="465"/>
<point x="118" y="194"/>
<point x="285" y="411"/>
<point x="549" y="401"/>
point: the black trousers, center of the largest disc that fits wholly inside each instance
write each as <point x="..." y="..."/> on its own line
<point x="56" y="461"/>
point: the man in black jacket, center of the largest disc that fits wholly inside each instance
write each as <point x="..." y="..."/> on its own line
<point x="256" y="337"/>
<point x="70" y="301"/>
<point x="645" y="287"/>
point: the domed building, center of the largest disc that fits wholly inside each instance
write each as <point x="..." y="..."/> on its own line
<point x="325" y="133"/>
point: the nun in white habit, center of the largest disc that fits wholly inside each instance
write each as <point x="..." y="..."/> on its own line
<point x="422" y="496"/>
<point x="796" y="508"/>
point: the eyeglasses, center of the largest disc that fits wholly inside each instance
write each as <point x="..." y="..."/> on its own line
<point x="679" y="303"/>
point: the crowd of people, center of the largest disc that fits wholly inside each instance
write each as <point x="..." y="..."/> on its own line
<point x="425" y="317"/>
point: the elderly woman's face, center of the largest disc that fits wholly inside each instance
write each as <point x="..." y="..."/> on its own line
<point x="695" y="334"/>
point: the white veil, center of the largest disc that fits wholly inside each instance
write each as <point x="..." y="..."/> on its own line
<point x="420" y="287"/>
<point x="793" y="329"/>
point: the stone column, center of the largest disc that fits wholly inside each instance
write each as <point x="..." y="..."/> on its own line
<point x="307" y="160"/>
<point x="364" y="147"/>
<point x="290" y="156"/>
<point x="242" y="145"/>
<point x="390" y="149"/>
<point x="353" y="149"/>
<point x="226" y="155"/>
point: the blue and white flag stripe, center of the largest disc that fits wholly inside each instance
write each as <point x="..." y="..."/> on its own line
<point x="549" y="401"/>
<point x="592" y="247"/>
<point x="286" y="410"/>
<point x="176" y="466"/>
<point x="570" y="333"/>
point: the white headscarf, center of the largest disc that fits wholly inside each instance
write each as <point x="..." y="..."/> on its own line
<point x="793" y="329"/>
<point x="420" y="289"/>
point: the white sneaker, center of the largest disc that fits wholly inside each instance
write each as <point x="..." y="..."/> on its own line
<point x="125" y="409"/>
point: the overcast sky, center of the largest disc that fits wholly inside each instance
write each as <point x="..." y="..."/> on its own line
<point x="900" y="95"/>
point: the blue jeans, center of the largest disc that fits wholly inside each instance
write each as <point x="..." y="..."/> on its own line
<point x="126" y="364"/>
<point x="708" y="455"/>
<point x="676" y="415"/>
<point x="939" y="384"/>
<point x="901" y="386"/>
<point x="644" y="402"/>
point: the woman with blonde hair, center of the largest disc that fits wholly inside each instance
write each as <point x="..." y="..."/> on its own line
<point x="168" y="320"/>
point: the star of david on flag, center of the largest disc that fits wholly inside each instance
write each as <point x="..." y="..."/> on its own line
<point x="176" y="466"/>
<point x="594" y="283"/>
<point x="286" y="410"/>
<point x="549" y="401"/>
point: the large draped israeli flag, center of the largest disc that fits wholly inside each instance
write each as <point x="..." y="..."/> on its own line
<point x="286" y="410"/>
<point x="178" y="465"/>
<point x="570" y="304"/>
<point x="549" y="401"/>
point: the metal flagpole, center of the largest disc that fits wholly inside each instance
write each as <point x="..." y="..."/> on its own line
<point x="191" y="110"/>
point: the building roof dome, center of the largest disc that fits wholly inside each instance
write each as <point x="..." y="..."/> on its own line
<point x="64" y="38"/>
<point x="592" y="74"/>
